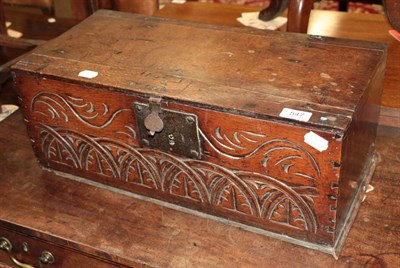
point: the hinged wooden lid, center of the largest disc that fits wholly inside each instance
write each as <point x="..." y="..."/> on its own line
<point x="237" y="70"/>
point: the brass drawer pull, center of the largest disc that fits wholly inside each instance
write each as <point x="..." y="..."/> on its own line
<point x="45" y="258"/>
<point x="7" y="246"/>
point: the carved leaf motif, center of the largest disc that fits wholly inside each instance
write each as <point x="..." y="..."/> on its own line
<point x="55" y="106"/>
<point x="257" y="195"/>
<point x="290" y="162"/>
<point x="235" y="144"/>
<point x="58" y="149"/>
<point x="183" y="186"/>
<point x="225" y="189"/>
<point x="232" y="198"/>
<point x="96" y="162"/>
<point x="272" y="193"/>
<point x="281" y="158"/>
<point x="284" y="211"/>
<point x="101" y="156"/>
<point x="176" y="177"/>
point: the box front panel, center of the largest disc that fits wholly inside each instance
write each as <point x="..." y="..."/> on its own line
<point x="256" y="172"/>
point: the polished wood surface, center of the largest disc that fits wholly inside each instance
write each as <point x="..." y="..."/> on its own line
<point x="242" y="88"/>
<point x="234" y="80"/>
<point x="132" y="231"/>
<point x="373" y="28"/>
<point x="82" y="9"/>
<point x="3" y="29"/>
<point x="221" y="14"/>
<point x="35" y="29"/>
<point x="298" y="15"/>
<point x="47" y="6"/>
<point x="273" y="10"/>
<point x="370" y="27"/>
<point x="157" y="236"/>
<point x="330" y="23"/>
<point x="63" y="256"/>
<point x="392" y="10"/>
<point x="36" y="26"/>
<point x="8" y="41"/>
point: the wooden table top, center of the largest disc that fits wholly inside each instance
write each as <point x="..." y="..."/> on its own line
<point x="135" y="231"/>
<point x="369" y="27"/>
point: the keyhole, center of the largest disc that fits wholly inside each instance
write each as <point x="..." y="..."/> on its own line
<point x="171" y="139"/>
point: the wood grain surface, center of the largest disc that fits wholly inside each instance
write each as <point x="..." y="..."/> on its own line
<point x="369" y="27"/>
<point x="234" y="69"/>
<point x="364" y="27"/>
<point x="252" y="164"/>
<point x="141" y="233"/>
<point x="128" y="230"/>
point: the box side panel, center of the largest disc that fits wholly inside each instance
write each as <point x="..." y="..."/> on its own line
<point x="359" y="146"/>
<point x="252" y="171"/>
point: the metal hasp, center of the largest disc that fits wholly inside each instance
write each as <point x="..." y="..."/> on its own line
<point x="167" y="130"/>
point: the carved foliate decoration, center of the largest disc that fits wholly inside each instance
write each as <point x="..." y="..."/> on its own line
<point x="241" y="192"/>
<point x="270" y="195"/>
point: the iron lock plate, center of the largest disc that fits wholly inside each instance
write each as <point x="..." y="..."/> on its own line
<point x="179" y="134"/>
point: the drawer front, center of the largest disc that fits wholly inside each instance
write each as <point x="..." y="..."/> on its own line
<point x="28" y="250"/>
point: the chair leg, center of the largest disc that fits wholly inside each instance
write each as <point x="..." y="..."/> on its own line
<point x="48" y="11"/>
<point x="3" y="29"/>
<point x="392" y="11"/>
<point x="298" y="15"/>
<point x="343" y="5"/>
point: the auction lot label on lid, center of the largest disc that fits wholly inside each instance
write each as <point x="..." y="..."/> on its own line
<point x="295" y="114"/>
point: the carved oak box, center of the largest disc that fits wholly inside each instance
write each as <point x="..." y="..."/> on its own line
<point x="270" y="131"/>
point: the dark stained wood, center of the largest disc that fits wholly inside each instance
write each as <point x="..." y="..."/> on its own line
<point x="353" y="25"/>
<point x="82" y="9"/>
<point x="34" y="26"/>
<point x="225" y="74"/>
<point x="3" y="29"/>
<point x="27" y="44"/>
<point x="142" y="7"/>
<point x="35" y="29"/>
<point x="63" y="256"/>
<point x="252" y="165"/>
<point x="47" y="6"/>
<point x="273" y="10"/>
<point x="16" y="44"/>
<point x="321" y="22"/>
<point x="392" y="11"/>
<point x="298" y="15"/>
<point x="66" y="213"/>
<point x="359" y="146"/>
<point x="372" y="241"/>
<point x="343" y="4"/>
<point x="220" y="14"/>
